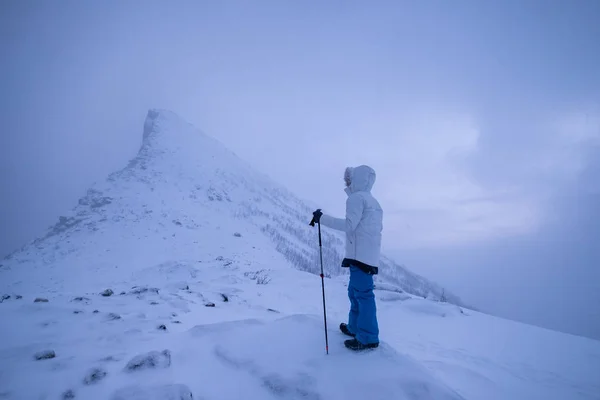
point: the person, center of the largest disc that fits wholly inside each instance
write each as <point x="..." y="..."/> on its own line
<point x="363" y="226"/>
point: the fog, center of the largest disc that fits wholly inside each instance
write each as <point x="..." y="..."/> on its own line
<point x="481" y="120"/>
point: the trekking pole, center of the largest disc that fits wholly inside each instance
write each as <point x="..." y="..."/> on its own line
<point x="312" y="223"/>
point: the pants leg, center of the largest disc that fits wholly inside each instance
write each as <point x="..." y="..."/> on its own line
<point x="353" y="314"/>
<point x="367" y="329"/>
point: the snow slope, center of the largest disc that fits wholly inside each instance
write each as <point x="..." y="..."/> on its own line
<point x="197" y="249"/>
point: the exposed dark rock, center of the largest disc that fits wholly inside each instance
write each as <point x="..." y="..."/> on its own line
<point x="68" y="395"/>
<point x="217" y="194"/>
<point x="84" y="299"/>
<point x="123" y="293"/>
<point x="110" y="358"/>
<point x="272" y="310"/>
<point x="94" y="376"/>
<point x="63" y="224"/>
<point x="225" y="298"/>
<point x="162" y="327"/>
<point x="95" y="311"/>
<point x="94" y="199"/>
<point x="261" y="277"/>
<point x="5" y="297"/>
<point x="45" y="355"/>
<point x="77" y="311"/>
<point x="107" y="293"/>
<point x="176" y="322"/>
<point x="210" y="304"/>
<point x="153" y="303"/>
<point x="18" y="297"/>
<point x="237" y="234"/>
<point x="152" y="359"/>
<point x="40" y="300"/>
<point x="142" y="290"/>
<point x="113" y="316"/>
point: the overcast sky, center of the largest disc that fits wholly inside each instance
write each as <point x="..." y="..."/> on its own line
<point x="481" y="120"/>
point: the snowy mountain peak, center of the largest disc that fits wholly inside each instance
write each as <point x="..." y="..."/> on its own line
<point x="149" y="124"/>
<point x="160" y="123"/>
<point x="185" y="196"/>
<point x="172" y="145"/>
<point x="165" y="130"/>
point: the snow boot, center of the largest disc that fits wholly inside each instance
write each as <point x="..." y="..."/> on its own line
<point x="355" y="345"/>
<point x="345" y="330"/>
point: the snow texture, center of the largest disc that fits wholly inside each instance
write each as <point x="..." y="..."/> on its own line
<point x="187" y="275"/>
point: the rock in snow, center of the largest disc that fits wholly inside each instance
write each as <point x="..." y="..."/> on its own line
<point x="153" y="359"/>
<point x="107" y="293"/>
<point x="113" y="316"/>
<point x="94" y="376"/>
<point x="44" y="355"/>
<point x="142" y="290"/>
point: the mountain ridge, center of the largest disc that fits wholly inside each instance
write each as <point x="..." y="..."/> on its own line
<point x="179" y="173"/>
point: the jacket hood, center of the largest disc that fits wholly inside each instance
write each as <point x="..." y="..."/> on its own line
<point x="362" y="178"/>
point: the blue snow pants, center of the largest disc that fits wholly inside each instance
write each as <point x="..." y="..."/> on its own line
<point x="362" y="319"/>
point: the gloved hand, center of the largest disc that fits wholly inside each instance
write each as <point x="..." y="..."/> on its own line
<point x="316" y="217"/>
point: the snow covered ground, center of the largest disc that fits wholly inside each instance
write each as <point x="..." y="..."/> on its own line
<point x="267" y="341"/>
<point x="213" y="296"/>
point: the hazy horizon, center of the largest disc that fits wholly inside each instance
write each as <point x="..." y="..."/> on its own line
<point x="482" y="122"/>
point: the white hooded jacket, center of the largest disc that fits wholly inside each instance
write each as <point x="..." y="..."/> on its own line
<point x="364" y="218"/>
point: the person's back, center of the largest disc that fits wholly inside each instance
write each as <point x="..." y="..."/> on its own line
<point x="368" y="231"/>
<point x="363" y="226"/>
